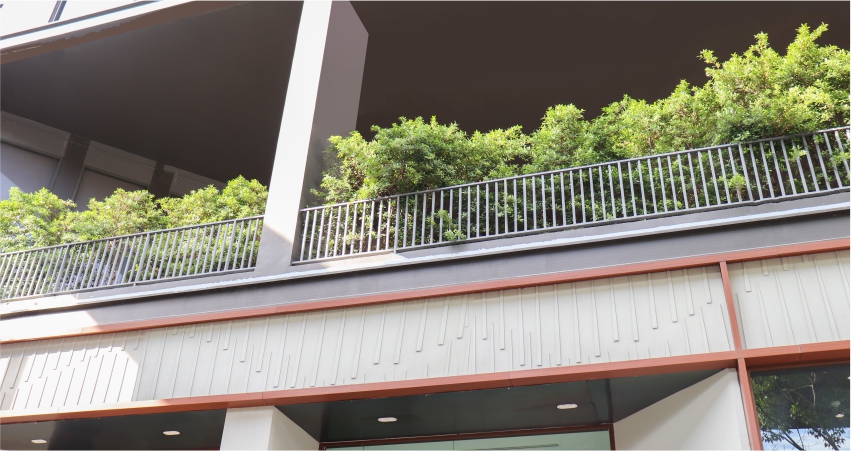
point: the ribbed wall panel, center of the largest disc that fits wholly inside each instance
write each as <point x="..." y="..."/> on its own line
<point x="792" y="300"/>
<point x="623" y="318"/>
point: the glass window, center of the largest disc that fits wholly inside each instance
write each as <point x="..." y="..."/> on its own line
<point x="803" y="408"/>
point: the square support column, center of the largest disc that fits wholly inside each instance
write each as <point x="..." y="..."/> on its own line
<point x="322" y="101"/>
<point x="263" y="428"/>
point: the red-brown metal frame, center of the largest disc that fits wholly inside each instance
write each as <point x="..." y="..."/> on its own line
<point x="741" y="359"/>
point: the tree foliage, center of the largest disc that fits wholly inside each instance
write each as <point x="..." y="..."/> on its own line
<point x="815" y="401"/>
<point x="39" y="219"/>
<point x="758" y="94"/>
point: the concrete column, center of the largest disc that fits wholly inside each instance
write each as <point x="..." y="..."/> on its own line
<point x="70" y="167"/>
<point x="322" y="101"/>
<point x="263" y="428"/>
<point x="707" y="415"/>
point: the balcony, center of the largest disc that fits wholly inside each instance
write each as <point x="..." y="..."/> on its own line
<point x="679" y="183"/>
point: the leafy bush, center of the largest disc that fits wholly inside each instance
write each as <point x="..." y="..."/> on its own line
<point x="754" y="95"/>
<point x="42" y="219"/>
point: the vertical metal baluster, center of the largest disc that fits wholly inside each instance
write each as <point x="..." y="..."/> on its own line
<point x="525" y="209"/>
<point x="469" y="213"/>
<point x="682" y="181"/>
<point x="724" y="175"/>
<point x="620" y="183"/>
<point x="103" y="263"/>
<point x="611" y="191"/>
<point x="777" y="169"/>
<point x="543" y="203"/>
<point x="572" y="200"/>
<point x="496" y="207"/>
<point x="593" y="201"/>
<point x="832" y="160"/>
<point x="452" y="205"/>
<point x="693" y="181"/>
<point x="305" y="223"/>
<point x="733" y="167"/>
<point x="106" y="266"/>
<point x="32" y="277"/>
<point x="355" y="224"/>
<point x="767" y="171"/>
<point x="745" y="171"/>
<point x="337" y="229"/>
<point x="215" y="238"/>
<point x="425" y="207"/>
<point x="186" y="254"/>
<point x="673" y="185"/>
<point x="602" y="193"/>
<point x="258" y="225"/>
<point x="405" y="232"/>
<point x="5" y="269"/>
<point x="174" y="251"/>
<point x="563" y="204"/>
<point x="461" y="210"/>
<point x="662" y="183"/>
<point x="582" y="194"/>
<point x="414" y="222"/>
<point x="73" y="273"/>
<point x="63" y="269"/>
<point x="249" y="226"/>
<point x="233" y="244"/>
<point x="800" y="168"/>
<point x="328" y="231"/>
<point x="641" y="186"/>
<point x="202" y="248"/>
<point x="431" y="229"/>
<point x="127" y="261"/>
<point x="505" y="201"/>
<point x="155" y="255"/>
<point x="226" y="241"/>
<point x="652" y="185"/>
<point x="380" y="223"/>
<point x="755" y="172"/>
<point x="631" y="188"/>
<point x="147" y="239"/>
<point x="363" y="223"/>
<point x="117" y="261"/>
<point x="487" y="209"/>
<point x="553" y="198"/>
<point x="89" y="264"/>
<point x="321" y="232"/>
<point x="50" y="261"/>
<point x="349" y="211"/>
<point x="165" y="248"/>
<point x="396" y="225"/>
<point x="714" y="178"/>
<point x="56" y="258"/>
<point x="534" y="205"/>
<point x="27" y="276"/>
<point x="19" y="273"/>
<point x="789" y="168"/>
<point x="810" y="163"/>
<point x="515" y="206"/>
<point x="440" y="232"/>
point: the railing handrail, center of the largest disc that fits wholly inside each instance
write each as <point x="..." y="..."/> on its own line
<point x="574" y="168"/>
<point x="130" y="235"/>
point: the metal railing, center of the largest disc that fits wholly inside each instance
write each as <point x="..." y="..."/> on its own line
<point x="659" y="185"/>
<point x="204" y="249"/>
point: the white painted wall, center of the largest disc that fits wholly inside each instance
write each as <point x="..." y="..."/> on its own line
<point x="263" y="428"/>
<point x="707" y="415"/>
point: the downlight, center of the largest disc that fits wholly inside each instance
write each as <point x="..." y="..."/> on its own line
<point x="566" y="406"/>
<point x="171" y="432"/>
<point x="39" y="441"/>
<point x="387" y="420"/>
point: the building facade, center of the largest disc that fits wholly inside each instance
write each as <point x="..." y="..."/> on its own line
<point x="616" y="325"/>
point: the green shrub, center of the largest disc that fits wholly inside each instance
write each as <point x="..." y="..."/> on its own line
<point x="754" y="95"/>
<point x="42" y="219"/>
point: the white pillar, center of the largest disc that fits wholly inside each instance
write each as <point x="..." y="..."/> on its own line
<point x="322" y="100"/>
<point x="263" y="428"/>
<point x="707" y="415"/>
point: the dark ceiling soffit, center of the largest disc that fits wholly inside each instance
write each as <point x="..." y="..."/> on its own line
<point x="51" y="44"/>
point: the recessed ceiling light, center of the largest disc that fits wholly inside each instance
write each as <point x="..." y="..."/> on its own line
<point x="387" y="419"/>
<point x="39" y="441"/>
<point x="171" y="432"/>
<point x="839" y="415"/>
<point x="566" y="406"/>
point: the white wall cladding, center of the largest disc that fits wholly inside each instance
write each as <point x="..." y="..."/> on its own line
<point x="557" y="325"/>
<point x="792" y="300"/>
